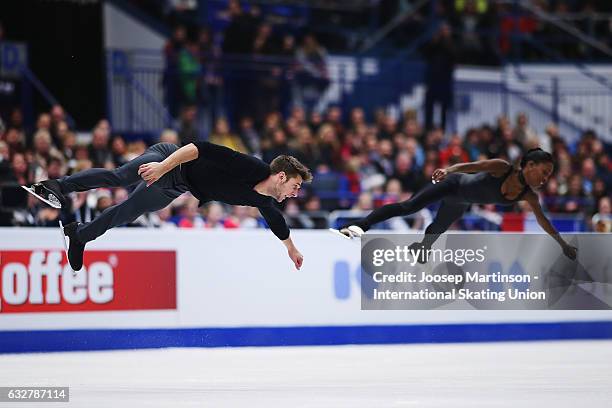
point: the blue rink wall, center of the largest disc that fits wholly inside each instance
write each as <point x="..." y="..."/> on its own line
<point x="229" y="288"/>
<point x="83" y="340"/>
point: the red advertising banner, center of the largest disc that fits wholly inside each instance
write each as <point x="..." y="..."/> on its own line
<point x="42" y="281"/>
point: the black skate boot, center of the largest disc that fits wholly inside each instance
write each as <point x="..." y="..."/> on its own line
<point x="423" y="257"/>
<point x="75" y="247"/>
<point x="48" y="191"/>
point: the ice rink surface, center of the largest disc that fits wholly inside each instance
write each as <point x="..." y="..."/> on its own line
<point x="536" y="374"/>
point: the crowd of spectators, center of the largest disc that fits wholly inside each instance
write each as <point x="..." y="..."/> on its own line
<point x="358" y="162"/>
<point x="244" y="71"/>
<point x="251" y="64"/>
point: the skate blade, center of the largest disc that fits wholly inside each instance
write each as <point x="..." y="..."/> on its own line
<point x="337" y="232"/>
<point x="65" y="240"/>
<point x="54" y="204"/>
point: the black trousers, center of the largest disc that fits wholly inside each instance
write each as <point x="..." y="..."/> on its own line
<point x="451" y="209"/>
<point x="142" y="199"/>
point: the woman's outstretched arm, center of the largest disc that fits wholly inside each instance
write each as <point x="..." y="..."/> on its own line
<point x="496" y="167"/>
<point x="534" y="203"/>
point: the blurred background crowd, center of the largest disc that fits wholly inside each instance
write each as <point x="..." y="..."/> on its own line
<point x="360" y="162"/>
<point x="361" y="157"/>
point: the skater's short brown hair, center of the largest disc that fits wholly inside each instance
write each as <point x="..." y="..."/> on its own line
<point x="291" y="166"/>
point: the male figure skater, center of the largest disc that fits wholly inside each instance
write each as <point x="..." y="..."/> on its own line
<point x="164" y="172"/>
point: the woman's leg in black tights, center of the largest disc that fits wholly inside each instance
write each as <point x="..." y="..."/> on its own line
<point x="447" y="214"/>
<point x="426" y="196"/>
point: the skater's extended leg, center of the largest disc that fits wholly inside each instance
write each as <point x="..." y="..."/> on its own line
<point x="142" y="199"/>
<point x="123" y="176"/>
<point x="447" y="214"/>
<point x="428" y="195"/>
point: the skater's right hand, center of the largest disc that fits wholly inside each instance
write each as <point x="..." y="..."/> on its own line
<point x="438" y="175"/>
<point x="151" y="172"/>
<point x="570" y="251"/>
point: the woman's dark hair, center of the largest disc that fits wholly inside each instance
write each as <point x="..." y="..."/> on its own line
<point x="537" y="156"/>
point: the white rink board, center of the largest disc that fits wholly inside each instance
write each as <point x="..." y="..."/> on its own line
<point x="244" y="278"/>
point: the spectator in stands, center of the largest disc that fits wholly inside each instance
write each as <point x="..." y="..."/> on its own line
<point x="454" y="152"/>
<point x="329" y="146"/>
<point x="119" y="151"/>
<point x="403" y="172"/>
<point x="189" y="216"/>
<point x="104" y="201"/>
<point x="42" y="123"/>
<point x="599" y="189"/>
<point x="575" y="198"/>
<point x="307" y="149"/>
<point x="471" y="145"/>
<point x="315" y="122"/>
<point x="270" y="74"/>
<point x="44" y="151"/>
<point x="212" y="83"/>
<point x="522" y="131"/>
<point x="276" y="146"/>
<point x="311" y="72"/>
<point x="6" y="173"/>
<point x="588" y="172"/>
<point x="14" y="140"/>
<point x="511" y="149"/>
<point x="16" y="122"/>
<point x="215" y="217"/>
<point x="552" y="200"/>
<point x="170" y="77"/>
<point x="238" y="35"/>
<point x="80" y="209"/>
<point x="602" y="220"/>
<point x="440" y="54"/>
<point x="169" y="136"/>
<point x="357" y="119"/>
<point x="135" y="149"/>
<point x="250" y="137"/>
<point x="334" y="118"/>
<point x="99" y="152"/>
<point x="224" y="137"/>
<point x="163" y="219"/>
<point x="388" y="129"/>
<point x="55" y="168"/>
<point x="58" y="124"/>
<point x="189" y="71"/>
<point x="365" y="202"/>
<point x="244" y="217"/>
<point x="383" y="158"/>
<point x="188" y="132"/>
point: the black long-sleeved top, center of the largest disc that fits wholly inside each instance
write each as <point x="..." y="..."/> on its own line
<point x="222" y="174"/>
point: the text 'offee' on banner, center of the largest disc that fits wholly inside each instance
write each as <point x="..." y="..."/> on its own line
<point x="42" y="281"/>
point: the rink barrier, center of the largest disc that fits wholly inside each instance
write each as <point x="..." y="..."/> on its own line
<point x="143" y="288"/>
<point x="90" y="340"/>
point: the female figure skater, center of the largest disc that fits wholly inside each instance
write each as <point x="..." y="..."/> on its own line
<point x="492" y="181"/>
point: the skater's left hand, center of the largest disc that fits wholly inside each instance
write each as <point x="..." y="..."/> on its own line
<point x="151" y="172"/>
<point x="296" y="257"/>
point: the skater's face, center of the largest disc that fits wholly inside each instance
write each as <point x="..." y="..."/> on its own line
<point x="287" y="187"/>
<point x="537" y="174"/>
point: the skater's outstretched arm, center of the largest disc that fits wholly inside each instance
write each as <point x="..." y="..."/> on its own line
<point x="496" y="167"/>
<point x="293" y="252"/>
<point x="277" y="224"/>
<point x="534" y="203"/>
<point x="153" y="171"/>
